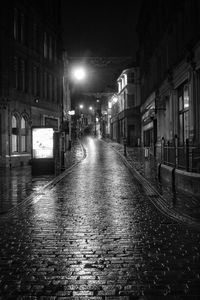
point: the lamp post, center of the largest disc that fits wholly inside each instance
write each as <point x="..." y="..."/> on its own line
<point x="65" y="128"/>
<point x="77" y="74"/>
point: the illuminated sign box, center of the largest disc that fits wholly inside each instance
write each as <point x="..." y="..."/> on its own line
<point x="42" y="142"/>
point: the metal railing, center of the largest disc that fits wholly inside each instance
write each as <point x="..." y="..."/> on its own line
<point x="185" y="157"/>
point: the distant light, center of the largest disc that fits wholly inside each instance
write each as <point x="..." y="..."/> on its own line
<point x="79" y="73"/>
<point x="81" y="106"/>
<point x="115" y="99"/>
<point x="90" y="108"/>
<point x="71" y="112"/>
<point x="97" y="100"/>
<point x="97" y="119"/>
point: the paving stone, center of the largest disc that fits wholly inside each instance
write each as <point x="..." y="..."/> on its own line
<point x="96" y="235"/>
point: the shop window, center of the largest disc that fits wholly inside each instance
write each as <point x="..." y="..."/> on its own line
<point x="15" y="137"/>
<point x="24" y="134"/>
<point x="183" y="111"/>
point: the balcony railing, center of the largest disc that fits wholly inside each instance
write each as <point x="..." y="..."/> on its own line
<point x="185" y="157"/>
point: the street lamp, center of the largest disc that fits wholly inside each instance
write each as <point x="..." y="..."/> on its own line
<point x="78" y="73"/>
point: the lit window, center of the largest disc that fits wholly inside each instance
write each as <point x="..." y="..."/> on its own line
<point x="14" y="134"/>
<point x="183" y="106"/>
<point x="23" y="135"/>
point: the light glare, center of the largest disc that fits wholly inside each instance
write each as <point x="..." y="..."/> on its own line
<point x="79" y="73"/>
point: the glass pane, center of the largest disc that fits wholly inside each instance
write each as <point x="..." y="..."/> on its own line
<point x="180" y="103"/>
<point x="14" y="122"/>
<point x="14" y="143"/>
<point x="23" y="143"/>
<point x="23" y="123"/>
<point x="181" y="129"/>
<point x="186" y="97"/>
<point x="186" y="125"/>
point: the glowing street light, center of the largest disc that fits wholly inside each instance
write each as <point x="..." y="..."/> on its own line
<point x="81" y="106"/>
<point x="90" y="108"/>
<point x="79" y="73"/>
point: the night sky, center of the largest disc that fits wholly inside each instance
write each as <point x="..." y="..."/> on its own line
<point x="100" y="28"/>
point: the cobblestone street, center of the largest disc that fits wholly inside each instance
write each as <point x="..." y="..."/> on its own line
<point x="96" y="235"/>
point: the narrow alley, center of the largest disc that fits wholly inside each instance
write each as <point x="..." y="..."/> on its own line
<point x="96" y="235"/>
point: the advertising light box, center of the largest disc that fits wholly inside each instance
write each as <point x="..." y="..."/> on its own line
<point x="42" y="142"/>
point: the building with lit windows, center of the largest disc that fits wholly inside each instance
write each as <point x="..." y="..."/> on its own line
<point x="30" y="75"/>
<point x="169" y="49"/>
<point x="125" y="108"/>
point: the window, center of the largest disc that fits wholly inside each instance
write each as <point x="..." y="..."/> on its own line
<point x="55" y="90"/>
<point x="15" y="24"/>
<point x="131" y="77"/>
<point x="49" y="87"/>
<point x="119" y="86"/>
<point x="21" y="81"/>
<point x="22" y="28"/>
<point x="45" y="85"/>
<point x="34" y="36"/>
<point x="36" y="81"/>
<point x="50" y="48"/>
<point x="183" y="110"/>
<point x="131" y="100"/>
<point x="23" y="135"/>
<point x="19" y="26"/>
<point x="45" y="45"/>
<point x="15" y="75"/>
<point x="23" y="74"/>
<point x="55" y="51"/>
<point x="14" y="145"/>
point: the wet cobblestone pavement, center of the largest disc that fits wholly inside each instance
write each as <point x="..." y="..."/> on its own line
<point x="95" y="235"/>
<point x="178" y="201"/>
<point x="18" y="183"/>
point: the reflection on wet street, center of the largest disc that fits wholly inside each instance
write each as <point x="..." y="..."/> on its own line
<point x="17" y="184"/>
<point x="96" y="235"/>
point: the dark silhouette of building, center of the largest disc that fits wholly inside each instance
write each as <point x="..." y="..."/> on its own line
<point x="169" y="48"/>
<point x="125" y="108"/>
<point x="30" y="75"/>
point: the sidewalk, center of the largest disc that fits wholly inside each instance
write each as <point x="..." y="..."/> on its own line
<point x="18" y="183"/>
<point x="176" y="202"/>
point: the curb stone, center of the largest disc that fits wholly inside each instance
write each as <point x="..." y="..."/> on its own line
<point x="154" y="196"/>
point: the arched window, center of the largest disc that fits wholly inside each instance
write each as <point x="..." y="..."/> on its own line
<point x="23" y="134"/>
<point x="14" y="134"/>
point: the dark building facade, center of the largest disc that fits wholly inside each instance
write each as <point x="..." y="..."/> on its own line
<point x="30" y="75"/>
<point x="125" y="108"/>
<point x="169" y="57"/>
